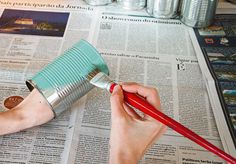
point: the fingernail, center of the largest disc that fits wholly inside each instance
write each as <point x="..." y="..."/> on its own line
<point x="116" y="89"/>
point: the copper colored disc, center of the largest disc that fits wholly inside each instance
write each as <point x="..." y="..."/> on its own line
<point x="12" y="101"/>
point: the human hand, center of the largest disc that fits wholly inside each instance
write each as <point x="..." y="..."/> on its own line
<point x="131" y="135"/>
<point x="32" y="111"/>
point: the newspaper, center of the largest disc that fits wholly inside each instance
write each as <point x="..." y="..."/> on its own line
<point x="216" y="54"/>
<point x="136" y="48"/>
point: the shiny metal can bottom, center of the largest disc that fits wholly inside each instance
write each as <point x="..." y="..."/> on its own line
<point x="132" y="4"/>
<point x="163" y="8"/>
<point x="198" y="13"/>
<point x="98" y="2"/>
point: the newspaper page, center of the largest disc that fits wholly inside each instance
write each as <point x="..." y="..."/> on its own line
<point x="157" y="53"/>
<point x="136" y="48"/>
<point x="216" y="53"/>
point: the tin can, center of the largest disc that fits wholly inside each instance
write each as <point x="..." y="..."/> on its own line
<point x="62" y="82"/>
<point x="163" y="8"/>
<point x="132" y="4"/>
<point x="98" y="2"/>
<point x="198" y="13"/>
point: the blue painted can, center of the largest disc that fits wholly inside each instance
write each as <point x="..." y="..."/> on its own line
<point x="63" y="81"/>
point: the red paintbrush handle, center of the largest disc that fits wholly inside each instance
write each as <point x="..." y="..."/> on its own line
<point x="141" y="104"/>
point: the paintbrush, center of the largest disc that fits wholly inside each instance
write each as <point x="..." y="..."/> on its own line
<point x="101" y="80"/>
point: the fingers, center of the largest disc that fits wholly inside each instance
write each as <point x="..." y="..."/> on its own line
<point x="119" y="107"/>
<point x="131" y="112"/>
<point x="149" y="93"/>
<point x="117" y="101"/>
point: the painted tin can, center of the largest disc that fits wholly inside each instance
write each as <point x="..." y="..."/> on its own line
<point x="132" y="4"/>
<point x="163" y="8"/>
<point x="62" y="82"/>
<point x="98" y="2"/>
<point x="198" y="13"/>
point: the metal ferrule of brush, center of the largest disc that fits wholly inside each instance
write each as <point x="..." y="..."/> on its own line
<point x="102" y="81"/>
<point x="64" y="81"/>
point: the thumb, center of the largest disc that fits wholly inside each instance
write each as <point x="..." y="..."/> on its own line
<point x="117" y="102"/>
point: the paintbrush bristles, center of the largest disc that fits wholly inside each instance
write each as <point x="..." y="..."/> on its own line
<point x="90" y="75"/>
